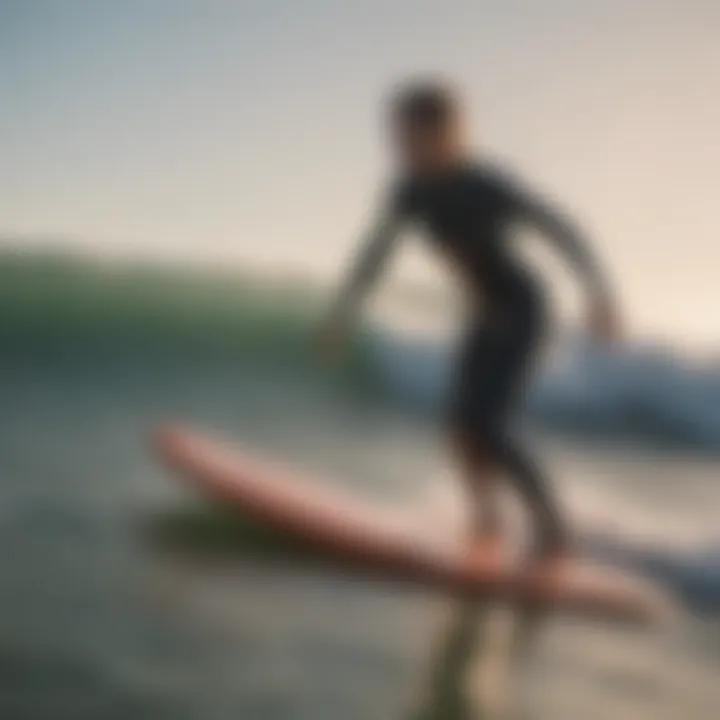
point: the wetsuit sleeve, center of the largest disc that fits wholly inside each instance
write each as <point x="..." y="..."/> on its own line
<point x="373" y="255"/>
<point x="536" y="211"/>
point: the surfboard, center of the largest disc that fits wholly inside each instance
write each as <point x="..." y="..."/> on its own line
<point x="359" y="537"/>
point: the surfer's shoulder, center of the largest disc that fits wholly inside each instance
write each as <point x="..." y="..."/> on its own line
<point x="403" y="195"/>
<point x="493" y="172"/>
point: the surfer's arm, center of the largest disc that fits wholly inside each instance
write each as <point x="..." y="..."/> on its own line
<point x="535" y="211"/>
<point x="568" y="239"/>
<point x="370" y="260"/>
<point x="540" y="214"/>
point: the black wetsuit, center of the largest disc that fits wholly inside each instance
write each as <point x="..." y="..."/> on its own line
<point x="467" y="214"/>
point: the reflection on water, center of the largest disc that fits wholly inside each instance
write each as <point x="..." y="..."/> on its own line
<point x="474" y="661"/>
<point x="451" y="661"/>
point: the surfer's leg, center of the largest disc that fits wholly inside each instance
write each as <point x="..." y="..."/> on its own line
<point x="478" y="473"/>
<point x="476" y="467"/>
<point x="533" y="486"/>
<point x="494" y="375"/>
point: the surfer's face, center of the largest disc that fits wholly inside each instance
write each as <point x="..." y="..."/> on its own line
<point x="423" y="148"/>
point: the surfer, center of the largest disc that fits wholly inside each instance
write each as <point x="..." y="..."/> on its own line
<point x="468" y="207"/>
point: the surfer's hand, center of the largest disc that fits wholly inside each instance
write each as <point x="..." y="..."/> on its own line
<point x="331" y="338"/>
<point x="604" y="322"/>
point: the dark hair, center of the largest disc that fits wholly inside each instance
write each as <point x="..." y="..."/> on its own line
<point x="431" y="104"/>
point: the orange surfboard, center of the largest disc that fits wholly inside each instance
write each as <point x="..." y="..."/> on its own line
<point x="342" y="529"/>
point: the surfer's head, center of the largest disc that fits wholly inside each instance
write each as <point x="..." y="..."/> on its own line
<point x="426" y="126"/>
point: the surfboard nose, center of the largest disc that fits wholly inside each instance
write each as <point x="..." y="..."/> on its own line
<point x="166" y="439"/>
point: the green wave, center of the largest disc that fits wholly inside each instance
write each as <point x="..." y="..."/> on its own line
<point x="60" y="301"/>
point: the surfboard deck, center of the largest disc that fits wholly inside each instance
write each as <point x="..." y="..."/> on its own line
<point x="362" y="538"/>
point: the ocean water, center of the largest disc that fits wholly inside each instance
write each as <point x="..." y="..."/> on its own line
<point x="123" y="596"/>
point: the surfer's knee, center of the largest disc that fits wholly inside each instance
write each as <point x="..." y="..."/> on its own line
<point x="472" y="444"/>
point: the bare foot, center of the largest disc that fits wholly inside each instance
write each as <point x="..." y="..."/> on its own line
<point x="487" y="551"/>
<point x="549" y="566"/>
<point x="548" y="563"/>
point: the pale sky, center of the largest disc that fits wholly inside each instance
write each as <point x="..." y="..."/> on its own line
<point x="250" y="129"/>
